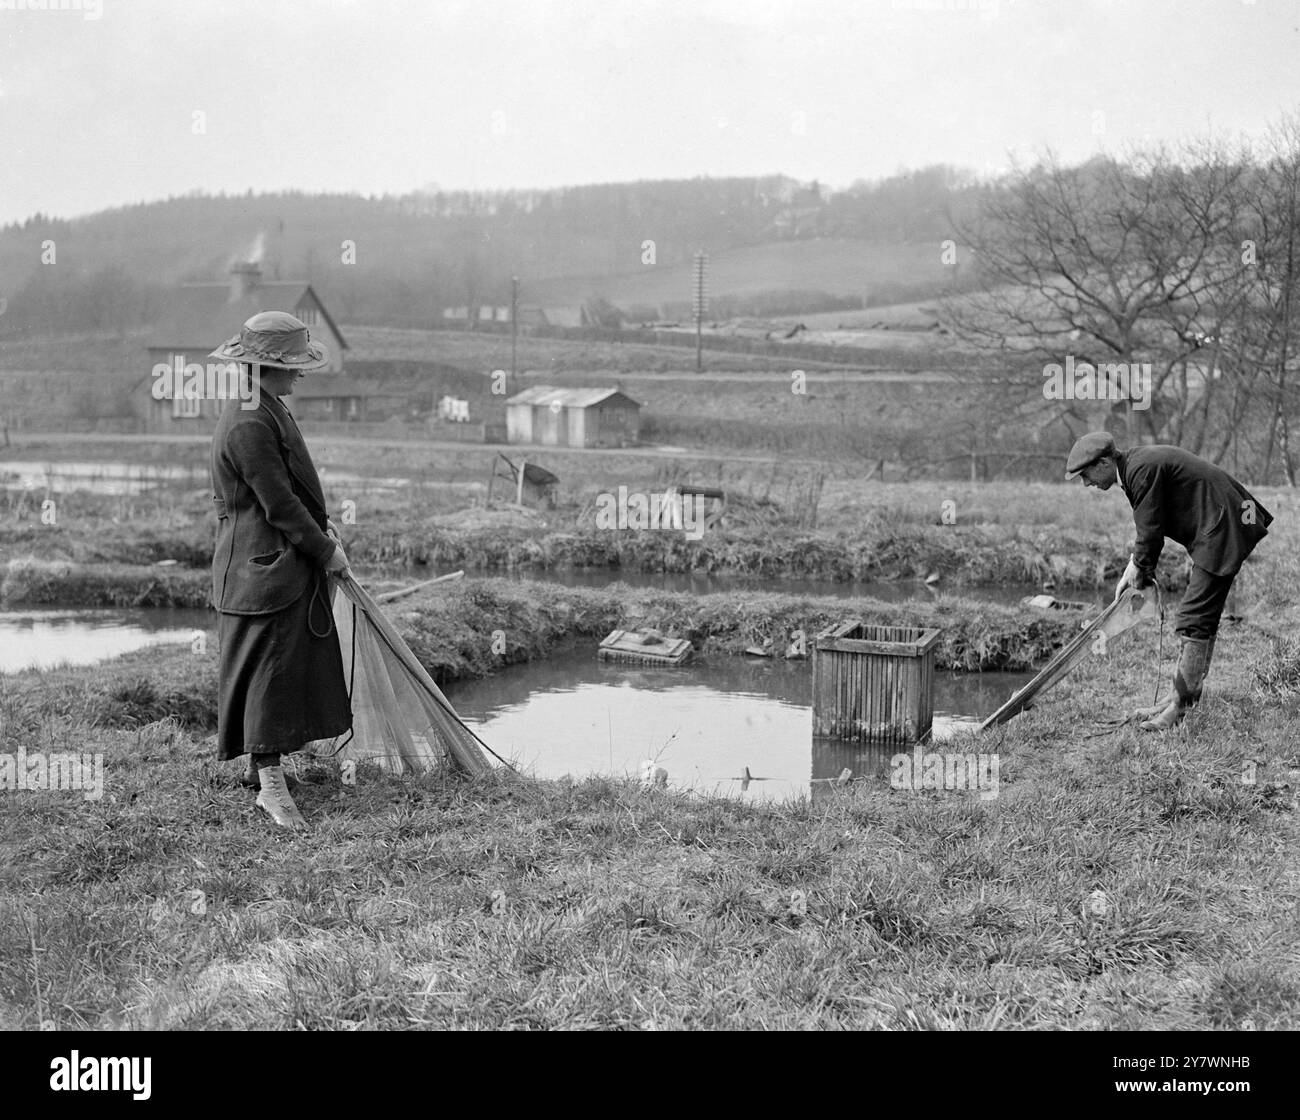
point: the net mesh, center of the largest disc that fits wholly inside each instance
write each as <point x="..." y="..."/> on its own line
<point x="400" y="718"/>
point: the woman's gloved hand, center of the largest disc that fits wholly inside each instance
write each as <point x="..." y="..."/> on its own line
<point x="338" y="561"/>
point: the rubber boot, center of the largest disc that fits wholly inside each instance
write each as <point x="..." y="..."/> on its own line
<point x="1189" y="679"/>
<point x="274" y="798"/>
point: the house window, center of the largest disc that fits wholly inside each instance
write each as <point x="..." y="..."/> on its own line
<point x="329" y="404"/>
<point x="186" y="409"/>
<point x="354" y="408"/>
<point x="308" y="315"/>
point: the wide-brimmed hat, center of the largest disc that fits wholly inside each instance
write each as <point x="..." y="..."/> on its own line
<point x="274" y="338"/>
<point x="1087" y="450"/>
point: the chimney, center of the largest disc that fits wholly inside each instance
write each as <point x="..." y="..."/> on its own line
<point x="244" y="278"/>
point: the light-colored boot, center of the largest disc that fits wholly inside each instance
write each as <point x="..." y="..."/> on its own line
<point x="1189" y="679"/>
<point x="274" y="798"/>
<point x="248" y="776"/>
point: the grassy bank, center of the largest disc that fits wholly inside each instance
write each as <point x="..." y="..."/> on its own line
<point x="1002" y="533"/>
<point x="1116" y="883"/>
<point x="452" y="631"/>
<point x="757" y="544"/>
<point x="25" y="581"/>
<point x="452" y="628"/>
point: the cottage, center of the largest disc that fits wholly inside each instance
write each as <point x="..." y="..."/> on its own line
<point x="198" y="317"/>
<point x="573" y="417"/>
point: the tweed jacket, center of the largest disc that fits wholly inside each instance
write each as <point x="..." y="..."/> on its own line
<point x="271" y="517"/>
<point x="1178" y="495"/>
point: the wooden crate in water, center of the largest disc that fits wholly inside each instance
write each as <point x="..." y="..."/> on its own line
<point x="644" y="648"/>
<point x="874" y="684"/>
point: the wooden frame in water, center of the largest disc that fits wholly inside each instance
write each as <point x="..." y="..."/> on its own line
<point x="874" y="684"/>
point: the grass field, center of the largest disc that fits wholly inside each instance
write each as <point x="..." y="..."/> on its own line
<point x="1116" y="882"/>
<point x="743" y="404"/>
<point x="873" y="272"/>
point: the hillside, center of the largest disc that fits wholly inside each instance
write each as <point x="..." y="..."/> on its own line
<point x="767" y="279"/>
<point x="776" y="245"/>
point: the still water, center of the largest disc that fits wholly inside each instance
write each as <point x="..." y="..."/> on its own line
<point x="40" y="639"/>
<point x="117" y="477"/>
<point x="707" y="725"/>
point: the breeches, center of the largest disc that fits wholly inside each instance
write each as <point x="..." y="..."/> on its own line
<point x="1202" y="604"/>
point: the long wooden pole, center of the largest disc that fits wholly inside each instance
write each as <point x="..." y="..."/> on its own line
<point x="402" y="592"/>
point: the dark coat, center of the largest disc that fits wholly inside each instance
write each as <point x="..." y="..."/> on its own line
<point x="1178" y="495"/>
<point x="271" y="540"/>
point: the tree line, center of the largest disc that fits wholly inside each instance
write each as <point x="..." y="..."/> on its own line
<point x="418" y="253"/>
<point x="1183" y="265"/>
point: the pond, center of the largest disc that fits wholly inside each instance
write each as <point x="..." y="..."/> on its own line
<point x="118" y="477"/>
<point x="709" y="725"/>
<point x="725" y="724"/>
<point x="43" y="638"/>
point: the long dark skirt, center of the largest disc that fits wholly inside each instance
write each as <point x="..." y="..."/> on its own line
<point x="281" y="684"/>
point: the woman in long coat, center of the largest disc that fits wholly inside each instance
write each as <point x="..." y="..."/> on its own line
<point x="282" y="682"/>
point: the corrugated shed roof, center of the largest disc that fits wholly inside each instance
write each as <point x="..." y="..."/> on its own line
<point x="202" y="316"/>
<point x="567" y="398"/>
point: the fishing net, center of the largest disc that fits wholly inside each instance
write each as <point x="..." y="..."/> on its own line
<point x="400" y="718"/>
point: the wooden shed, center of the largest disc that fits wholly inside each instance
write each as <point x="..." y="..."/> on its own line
<point x="573" y="417"/>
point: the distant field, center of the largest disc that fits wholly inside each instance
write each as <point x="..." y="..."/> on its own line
<point x="864" y="270"/>
<point x="742" y="405"/>
<point x="486" y="352"/>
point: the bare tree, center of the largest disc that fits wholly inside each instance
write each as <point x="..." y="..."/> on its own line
<point x="1122" y="263"/>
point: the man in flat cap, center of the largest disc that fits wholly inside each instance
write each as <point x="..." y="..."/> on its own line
<point x="1178" y="495"/>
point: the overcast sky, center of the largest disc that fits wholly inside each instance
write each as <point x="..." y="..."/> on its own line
<point x="160" y="97"/>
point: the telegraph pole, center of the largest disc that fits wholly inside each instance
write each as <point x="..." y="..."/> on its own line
<point x="514" y="328"/>
<point x="701" y="305"/>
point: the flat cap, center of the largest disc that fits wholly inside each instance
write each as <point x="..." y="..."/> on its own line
<point x="1087" y="450"/>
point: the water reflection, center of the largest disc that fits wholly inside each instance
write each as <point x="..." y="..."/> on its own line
<point x="118" y="477"/>
<point x="41" y="639"/>
<point x="728" y="725"/>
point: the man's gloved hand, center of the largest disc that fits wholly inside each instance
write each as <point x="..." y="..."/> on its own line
<point x="1132" y="577"/>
